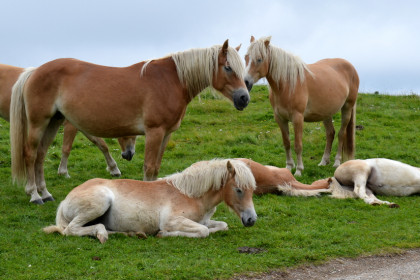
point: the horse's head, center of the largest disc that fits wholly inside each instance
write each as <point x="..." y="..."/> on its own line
<point x="257" y="61"/>
<point x="128" y="146"/>
<point x="239" y="196"/>
<point x="228" y="78"/>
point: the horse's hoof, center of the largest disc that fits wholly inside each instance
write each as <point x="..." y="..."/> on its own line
<point x="48" y="198"/>
<point x="37" y="201"/>
<point x="394" y="205"/>
<point x="375" y="204"/>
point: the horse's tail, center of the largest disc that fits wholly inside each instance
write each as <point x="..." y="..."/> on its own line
<point x="60" y="220"/>
<point x="339" y="191"/>
<point x="349" y="145"/>
<point x="18" y="126"/>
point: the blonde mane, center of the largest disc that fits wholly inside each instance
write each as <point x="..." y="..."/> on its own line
<point x="206" y="175"/>
<point x="196" y="67"/>
<point x="284" y="66"/>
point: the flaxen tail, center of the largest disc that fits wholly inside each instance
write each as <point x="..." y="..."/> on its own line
<point x="61" y="222"/>
<point x="349" y="145"/>
<point x="18" y="127"/>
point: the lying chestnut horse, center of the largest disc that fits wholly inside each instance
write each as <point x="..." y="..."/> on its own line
<point x="147" y="98"/>
<point x="271" y="179"/>
<point x="181" y="204"/>
<point x="9" y="75"/>
<point x="365" y="178"/>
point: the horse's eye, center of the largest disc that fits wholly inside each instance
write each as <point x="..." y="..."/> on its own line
<point x="228" y="68"/>
<point x="238" y="191"/>
<point x="259" y="60"/>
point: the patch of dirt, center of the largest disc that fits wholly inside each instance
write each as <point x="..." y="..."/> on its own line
<point x="404" y="265"/>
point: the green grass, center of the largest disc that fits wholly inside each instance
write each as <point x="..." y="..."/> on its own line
<point x="291" y="230"/>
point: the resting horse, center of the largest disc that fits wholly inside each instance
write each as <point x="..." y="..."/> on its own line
<point x="147" y="98"/>
<point x="181" y="204"/>
<point x="10" y="74"/>
<point x="271" y="179"/>
<point x="306" y="92"/>
<point x="365" y="178"/>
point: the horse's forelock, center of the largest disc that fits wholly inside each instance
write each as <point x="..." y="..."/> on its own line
<point x="284" y="66"/>
<point x="203" y="176"/>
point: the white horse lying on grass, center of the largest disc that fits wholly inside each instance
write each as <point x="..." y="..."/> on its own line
<point x="181" y="204"/>
<point x="365" y="178"/>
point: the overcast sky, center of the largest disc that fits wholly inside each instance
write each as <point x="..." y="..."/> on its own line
<point x="381" y="38"/>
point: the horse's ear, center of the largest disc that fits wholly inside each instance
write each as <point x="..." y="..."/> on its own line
<point x="230" y="168"/>
<point x="238" y="48"/>
<point x="225" y="47"/>
<point x="267" y="41"/>
<point x="252" y="39"/>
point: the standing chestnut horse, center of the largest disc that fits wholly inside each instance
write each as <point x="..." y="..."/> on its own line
<point x="10" y="74"/>
<point x="147" y="98"/>
<point x="306" y="92"/>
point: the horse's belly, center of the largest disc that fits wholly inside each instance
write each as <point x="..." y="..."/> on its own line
<point x="146" y="221"/>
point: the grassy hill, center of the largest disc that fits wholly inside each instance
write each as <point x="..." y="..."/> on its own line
<point x="290" y="230"/>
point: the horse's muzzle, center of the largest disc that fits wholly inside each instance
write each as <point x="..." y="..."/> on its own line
<point x="240" y="99"/>
<point x="249" y="82"/>
<point x="249" y="217"/>
<point x="128" y="155"/>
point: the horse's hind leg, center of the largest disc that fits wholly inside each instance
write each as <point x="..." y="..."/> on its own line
<point x="69" y="133"/>
<point x="87" y="208"/>
<point x="284" y="128"/>
<point x="46" y="141"/>
<point x="330" y="133"/>
<point x="76" y="227"/>
<point x="111" y="164"/>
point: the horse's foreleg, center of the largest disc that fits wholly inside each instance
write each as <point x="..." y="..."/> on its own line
<point x="216" y="226"/>
<point x="152" y="150"/>
<point x="69" y="134"/>
<point x="298" y="127"/>
<point x="284" y="128"/>
<point x="181" y="226"/>
<point x="46" y="141"/>
<point x="329" y="133"/>
<point x="346" y="112"/>
<point x="111" y="164"/>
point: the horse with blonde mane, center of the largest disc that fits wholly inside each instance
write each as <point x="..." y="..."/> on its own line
<point x="145" y="98"/>
<point x="10" y="74"/>
<point x="365" y="178"/>
<point x="181" y="204"/>
<point x="306" y="92"/>
<point x="275" y="180"/>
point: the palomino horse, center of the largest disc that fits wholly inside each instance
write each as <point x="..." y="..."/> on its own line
<point x="365" y="178"/>
<point x="146" y="98"/>
<point x="9" y="75"/>
<point x="271" y="179"/>
<point x="306" y="92"/>
<point x="178" y="205"/>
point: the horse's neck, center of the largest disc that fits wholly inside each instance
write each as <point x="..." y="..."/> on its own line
<point x="211" y="199"/>
<point x="278" y="87"/>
